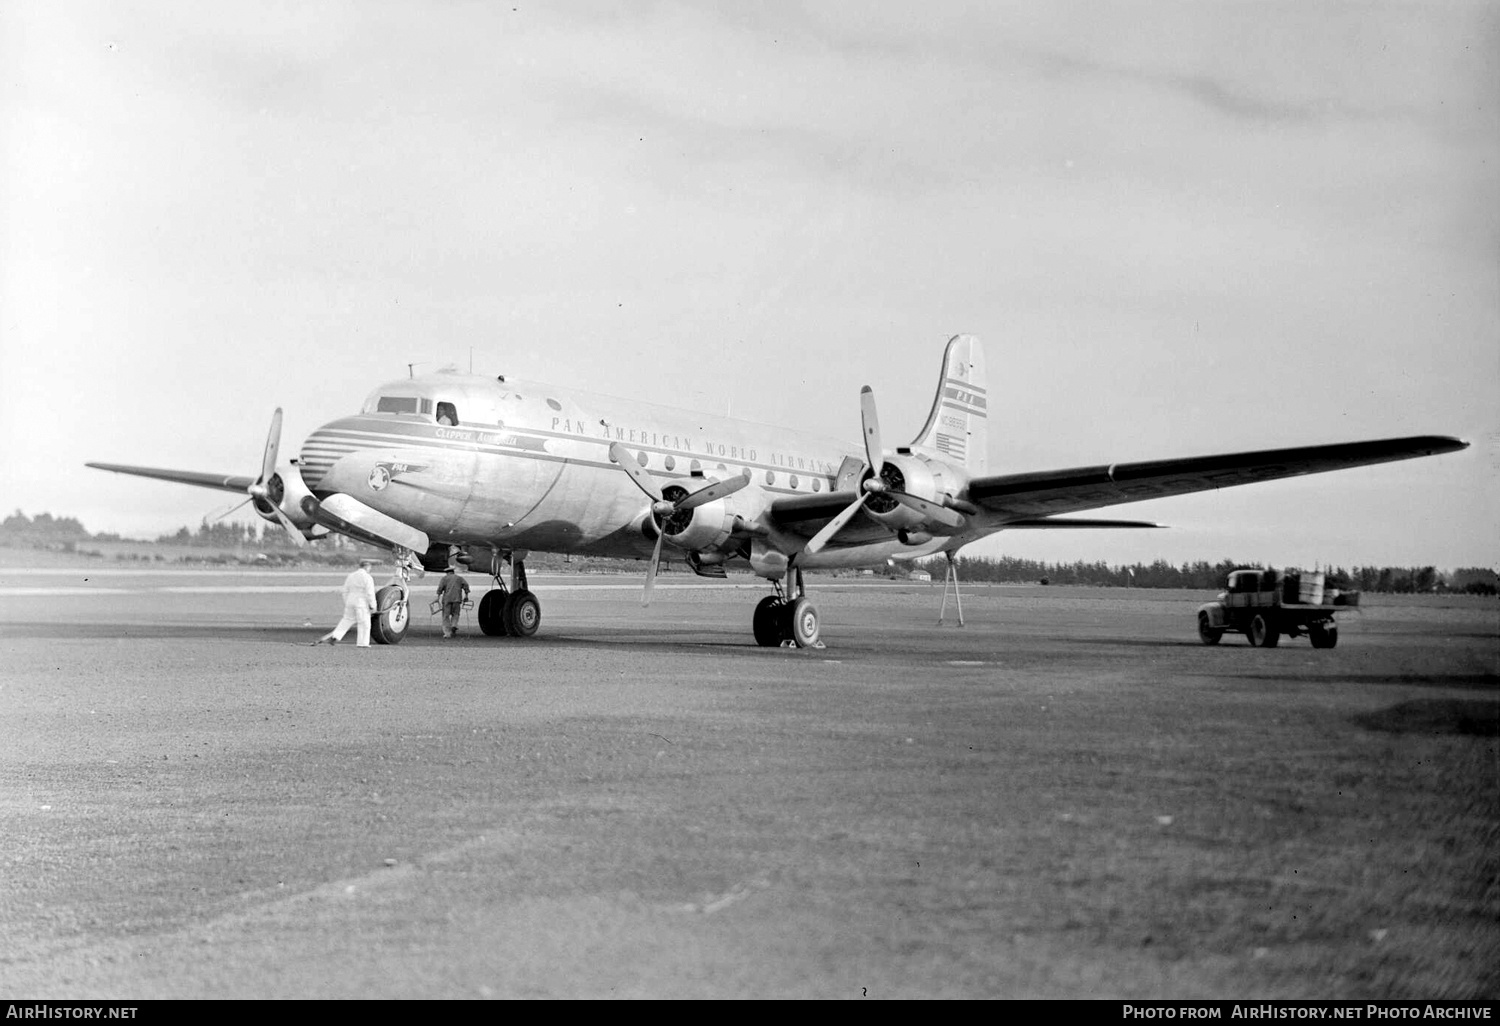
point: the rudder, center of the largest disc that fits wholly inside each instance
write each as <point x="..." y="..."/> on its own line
<point x="957" y="428"/>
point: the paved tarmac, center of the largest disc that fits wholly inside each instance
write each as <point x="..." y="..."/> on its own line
<point x="1068" y="797"/>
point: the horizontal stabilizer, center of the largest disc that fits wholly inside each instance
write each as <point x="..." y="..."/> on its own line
<point x="347" y="515"/>
<point x="1077" y="522"/>
<point x="223" y="482"/>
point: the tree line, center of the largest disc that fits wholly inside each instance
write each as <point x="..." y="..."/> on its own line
<point x="1203" y="575"/>
<point x="47" y="531"/>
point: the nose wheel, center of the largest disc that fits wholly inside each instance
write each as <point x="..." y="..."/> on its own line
<point x="392" y="613"/>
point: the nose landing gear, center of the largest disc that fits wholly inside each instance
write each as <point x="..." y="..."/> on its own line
<point x="392" y="615"/>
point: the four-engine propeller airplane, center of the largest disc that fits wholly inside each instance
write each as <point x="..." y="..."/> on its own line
<point x="483" y="471"/>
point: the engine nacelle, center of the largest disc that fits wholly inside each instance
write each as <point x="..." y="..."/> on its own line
<point x="915" y="475"/>
<point x="707" y="528"/>
<point x="287" y="490"/>
<point x="703" y="529"/>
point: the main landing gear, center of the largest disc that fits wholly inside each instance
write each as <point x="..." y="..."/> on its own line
<point x="513" y="612"/>
<point x="787" y="617"/>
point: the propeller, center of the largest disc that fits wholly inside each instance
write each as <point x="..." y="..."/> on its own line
<point x="874" y="459"/>
<point x="663" y="508"/>
<point x="949" y="517"/>
<point x="268" y="482"/>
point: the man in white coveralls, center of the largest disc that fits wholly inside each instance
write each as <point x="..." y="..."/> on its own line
<point x="359" y="603"/>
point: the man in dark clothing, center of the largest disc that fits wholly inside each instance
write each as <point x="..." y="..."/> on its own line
<point x="451" y="593"/>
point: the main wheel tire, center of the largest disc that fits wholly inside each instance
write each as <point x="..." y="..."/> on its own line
<point x="766" y="624"/>
<point x="523" y="614"/>
<point x="1262" y="634"/>
<point x="802" y="623"/>
<point x="492" y="614"/>
<point x="391" y="617"/>
<point x="1323" y="635"/>
<point x="1207" y="632"/>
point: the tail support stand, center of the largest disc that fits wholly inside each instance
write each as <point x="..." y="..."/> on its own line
<point x="951" y="575"/>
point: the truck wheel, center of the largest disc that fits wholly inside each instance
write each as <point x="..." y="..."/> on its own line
<point x="1323" y="635"/>
<point x="1207" y="633"/>
<point x="1262" y="634"/>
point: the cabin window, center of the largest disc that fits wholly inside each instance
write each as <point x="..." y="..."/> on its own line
<point x="694" y="467"/>
<point x="426" y="406"/>
<point x="554" y="404"/>
<point x="447" y="415"/>
<point x="670" y="463"/>
<point x="396" y="404"/>
<point x="770" y="477"/>
<point x="817" y="485"/>
<point x="642" y="458"/>
<point x="794" y="480"/>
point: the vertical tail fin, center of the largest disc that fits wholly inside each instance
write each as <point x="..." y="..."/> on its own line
<point x="956" y="429"/>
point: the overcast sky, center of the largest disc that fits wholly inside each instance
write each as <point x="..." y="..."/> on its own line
<point x="1179" y="228"/>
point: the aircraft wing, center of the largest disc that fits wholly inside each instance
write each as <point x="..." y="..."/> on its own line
<point x="223" y="482"/>
<point x="1028" y="496"/>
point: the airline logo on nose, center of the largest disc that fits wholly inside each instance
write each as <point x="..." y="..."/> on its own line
<point x="383" y="474"/>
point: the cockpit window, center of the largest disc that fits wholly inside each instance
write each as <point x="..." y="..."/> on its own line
<point x="447" y="415"/>
<point x="396" y="404"/>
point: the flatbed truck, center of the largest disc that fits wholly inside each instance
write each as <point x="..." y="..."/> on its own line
<point x="1265" y="605"/>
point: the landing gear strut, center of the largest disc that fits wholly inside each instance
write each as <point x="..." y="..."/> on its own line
<point x="514" y="612"/>
<point x="787" y="617"/>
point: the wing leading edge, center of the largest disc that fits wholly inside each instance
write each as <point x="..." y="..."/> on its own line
<point x="223" y="482"/>
<point x="1027" y="496"/>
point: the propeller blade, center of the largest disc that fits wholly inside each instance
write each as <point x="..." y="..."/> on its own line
<point x="261" y="487"/>
<point x="651" y="570"/>
<point x="644" y="481"/>
<point x="273" y="446"/>
<point x="717" y="490"/>
<point x="291" y="528"/>
<point x="231" y="509"/>
<point x="931" y="510"/>
<point x="833" y="527"/>
<point x="874" y="454"/>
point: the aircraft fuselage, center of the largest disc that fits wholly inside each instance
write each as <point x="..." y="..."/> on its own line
<point x="526" y="465"/>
